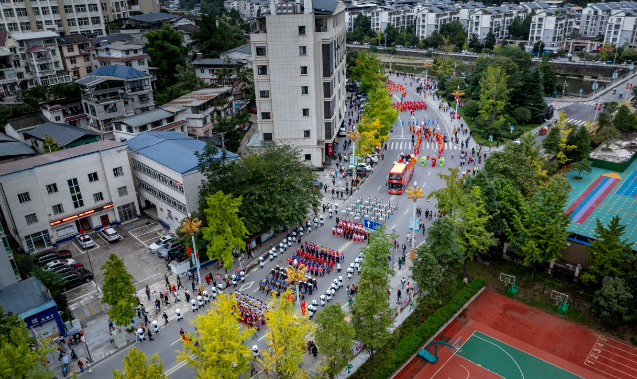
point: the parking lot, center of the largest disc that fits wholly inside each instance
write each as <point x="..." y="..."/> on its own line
<point x="145" y="267"/>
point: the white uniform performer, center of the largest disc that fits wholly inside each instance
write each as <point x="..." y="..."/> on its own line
<point x="335" y="284"/>
<point x="234" y="280"/>
<point x="140" y="333"/>
<point x="322" y="297"/>
<point x="178" y="313"/>
<point x="200" y="301"/>
<point x="194" y="305"/>
<point x="340" y="281"/>
<point x="242" y="274"/>
<point x="214" y="292"/>
<point x="349" y="273"/>
<point x="155" y="327"/>
<point x="261" y="261"/>
<point x="322" y="220"/>
<point x="206" y="299"/>
<point x="328" y="294"/>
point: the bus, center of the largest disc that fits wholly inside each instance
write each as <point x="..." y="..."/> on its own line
<point x="399" y="177"/>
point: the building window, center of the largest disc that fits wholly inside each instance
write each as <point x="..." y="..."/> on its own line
<point x="122" y="191"/>
<point x="262" y="70"/>
<point x="301" y="30"/>
<point x="264" y="94"/>
<point x="93" y="8"/>
<point x="24" y="197"/>
<point x="303" y="50"/>
<point x="141" y="62"/>
<point x="267" y="136"/>
<point x="92" y="177"/>
<point x="87" y="58"/>
<point x="31" y="219"/>
<point x="70" y="21"/>
<point x="70" y="49"/>
<point x="98" y="197"/>
<point x="261" y="51"/>
<point x="117" y="171"/>
<point x="265" y="115"/>
<point x="39" y="25"/>
<point x="51" y="188"/>
<point x="306" y="113"/>
<point x="305" y="90"/>
<point x="55" y="10"/>
<point x="303" y="70"/>
<point x="57" y="209"/>
<point x="308" y="157"/>
<point x="76" y="195"/>
<point x="72" y="60"/>
<point x="22" y="12"/>
<point x="306" y="133"/>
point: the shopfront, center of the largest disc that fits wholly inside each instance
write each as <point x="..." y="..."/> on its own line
<point x="37" y="241"/>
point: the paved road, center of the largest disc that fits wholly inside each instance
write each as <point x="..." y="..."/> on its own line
<point x="166" y="343"/>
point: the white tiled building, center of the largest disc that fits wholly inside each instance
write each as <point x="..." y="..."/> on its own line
<point x="299" y="76"/>
<point x="46" y="199"/>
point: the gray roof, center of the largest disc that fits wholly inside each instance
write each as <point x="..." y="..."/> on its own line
<point x="324" y="6"/>
<point x="187" y="28"/>
<point x="42" y="160"/>
<point x="27" y="121"/>
<point x="213" y="61"/>
<point x="63" y="134"/>
<point x="73" y="39"/>
<point x="11" y="147"/>
<point x="153" y="17"/>
<point x="111" y="39"/>
<point x="145" y="117"/>
<point x="23" y="296"/>
<point x="246" y="49"/>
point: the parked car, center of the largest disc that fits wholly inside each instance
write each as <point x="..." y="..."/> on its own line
<point x="167" y="246"/>
<point x="342" y="132"/>
<point x="110" y="234"/>
<point x="364" y="166"/>
<point x="356" y="43"/>
<point x="371" y="158"/>
<point x="67" y="268"/>
<point x="57" y="263"/>
<point x="76" y="278"/>
<point x="361" y="171"/>
<point x="85" y="241"/>
<point x="49" y="256"/>
<point x="252" y="110"/>
<point x="175" y="253"/>
<point x="155" y="246"/>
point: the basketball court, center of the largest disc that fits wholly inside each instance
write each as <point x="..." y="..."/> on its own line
<point x="498" y="337"/>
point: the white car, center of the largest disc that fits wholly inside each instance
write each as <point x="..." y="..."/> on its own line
<point x="365" y="166"/>
<point x="156" y="246"/>
<point x="373" y="157"/>
<point x="110" y="234"/>
<point x="57" y="263"/>
<point x="342" y="132"/>
<point x="85" y="241"/>
<point x="356" y="43"/>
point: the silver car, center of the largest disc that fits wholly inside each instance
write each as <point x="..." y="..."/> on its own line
<point x="110" y="234"/>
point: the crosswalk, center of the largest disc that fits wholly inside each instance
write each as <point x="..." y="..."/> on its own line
<point x="575" y="122"/>
<point x="560" y="105"/>
<point x="408" y="146"/>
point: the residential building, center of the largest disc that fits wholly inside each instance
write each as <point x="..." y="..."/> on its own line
<point x="575" y="43"/>
<point x="299" y="76"/>
<point x="551" y="27"/>
<point x="12" y="149"/>
<point x="46" y="199"/>
<point x="123" y="53"/>
<point x="595" y="18"/>
<point x="164" y="118"/>
<point x="136" y="26"/>
<point x="208" y="68"/>
<point x="432" y="17"/>
<point x="69" y="111"/>
<point x="41" y="59"/>
<point x="167" y="178"/>
<point x="203" y="106"/>
<point x="11" y="70"/>
<point x="31" y="301"/>
<point x="378" y="16"/>
<point x="113" y="92"/>
<point x="66" y="136"/>
<point x="186" y="31"/>
<point x="241" y="53"/>
<point x="19" y="127"/>
<point x="621" y="28"/>
<point x="9" y="273"/>
<point x="76" y="55"/>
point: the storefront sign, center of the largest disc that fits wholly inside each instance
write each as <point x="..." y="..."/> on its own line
<point x="330" y="149"/>
<point x="404" y="303"/>
<point x="358" y="348"/>
<point x="91" y="211"/>
<point x="265" y="236"/>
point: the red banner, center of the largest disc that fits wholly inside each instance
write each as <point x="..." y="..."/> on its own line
<point x="330" y="149"/>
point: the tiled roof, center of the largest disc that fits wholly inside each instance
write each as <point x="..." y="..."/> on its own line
<point x="170" y="149"/>
<point x="120" y="59"/>
<point x="27" y="121"/>
<point x="78" y="117"/>
<point x="146" y="117"/>
<point x="63" y="134"/>
<point x="246" y="49"/>
<point x="199" y="97"/>
<point x="171" y="126"/>
<point x="188" y="28"/>
<point x="73" y="39"/>
<point x="24" y="295"/>
<point x="10" y="147"/>
<point x="118" y="71"/>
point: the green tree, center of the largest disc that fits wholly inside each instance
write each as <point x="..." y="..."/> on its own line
<point x="334" y="338"/>
<point x="513" y="207"/>
<point x="474" y="41"/>
<point x="538" y="48"/>
<point x="438" y="257"/>
<point x="215" y="36"/>
<point x="472" y="220"/>
<point x="606" y="135"/>
<point x="489" y="40"/>
<point x="351" y="56"/>
<point x="612" y="303"/>
<point x="629" y="54"/>
<point x="624" y="121"/>
<point x="609" y="254"/>
<point x="471" y="108"/>
<point x="187" y="80"/>
<point x="580" y="138"/>
<point x="455" y="82"/>
<point x="8" y="323"/>
<point x="493" y="95"/>
<point x="137" y="366"/>
<point x="51" y="280"/>
<point x="49" y="145"/>
<point x="551" y="143"/>
<point x="118" y="290"/>
<point x="390" y="34"/>
<point x="548" y="76"/>
<point x="582" y="166"/>
<point x="225" y="229"/>
<point x="443" y="65"/>
<point x="166" y="50"/>
<point x="276" y="186"/>
<point x="607" y="115"/>
<point x="363" y="24"/>
<point x="532" y="93"/>
<point x="522" y="114"/>
<point x="546" y="222"/>
<point x="228" y="125"/>
<point x="515" y="28"/>
<point x="448" y="197"/>
<point x="20" y="357"/>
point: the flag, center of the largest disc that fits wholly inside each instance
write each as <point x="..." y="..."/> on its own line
<point x="188" y="250"/>
<point x="303" y="307"/>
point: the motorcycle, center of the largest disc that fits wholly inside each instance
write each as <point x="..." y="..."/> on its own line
<point x="65" y="364"/>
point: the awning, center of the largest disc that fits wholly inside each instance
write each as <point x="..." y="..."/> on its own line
<point x="91" y="80"/>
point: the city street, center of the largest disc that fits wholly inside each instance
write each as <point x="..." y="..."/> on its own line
<point x="167" y="342"/>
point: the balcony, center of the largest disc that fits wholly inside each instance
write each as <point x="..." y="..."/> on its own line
<point x="101" y="99"/>
<point x="6" y="79"/>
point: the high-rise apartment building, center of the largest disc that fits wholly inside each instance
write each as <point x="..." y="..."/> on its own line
<point x="66" y="17"/>
<point x="299" y="75"/>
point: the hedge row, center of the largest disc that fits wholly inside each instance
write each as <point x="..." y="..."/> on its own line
<point x="412" y="341"/>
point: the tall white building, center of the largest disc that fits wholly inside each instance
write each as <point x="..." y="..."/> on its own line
<point x="299" y="75"/>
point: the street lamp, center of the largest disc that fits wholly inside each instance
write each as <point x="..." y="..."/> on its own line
<point x="427" y="66"/>
<point x="191" y="226"/>
<point x="457" y="93"/>
<point x="295" y="275"/>
<point x="354" y="135"/>
<point x="414" y="194"/>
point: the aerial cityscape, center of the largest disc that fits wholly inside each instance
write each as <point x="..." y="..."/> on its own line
<point x="405" y="189"/>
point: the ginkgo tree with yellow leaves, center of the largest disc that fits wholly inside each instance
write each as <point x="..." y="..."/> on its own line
<point x="137" y="366"/>
<point x="556" y="141"/>
<point x="288" y="329"/>
<point x="371" y="136"/>
<point x="221" y="351"/>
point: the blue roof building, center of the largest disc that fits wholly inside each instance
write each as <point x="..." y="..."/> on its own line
<point x="166" y="175"/>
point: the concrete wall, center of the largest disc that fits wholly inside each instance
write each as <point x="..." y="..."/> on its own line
<point x="88" y="308"/>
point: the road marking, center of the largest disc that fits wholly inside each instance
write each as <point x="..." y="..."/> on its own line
<point x="406" y="211"/>
<point x="140" y="241"/>
<point x="174" y="342"/>
<point x="378" y="188"/>
<point x="393" y="226"/>
<point x="246" y="286"/>
<point x="345" y="246"/>
<point x="177" y="366"/>
<point x="263" y="336"/>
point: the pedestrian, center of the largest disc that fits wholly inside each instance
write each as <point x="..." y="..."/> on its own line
<point x="80" y="365"/>
<point x="148" y="292"/>
<point x="111" y="335"/>
<point x="399" y="295"/>
<point x="110" y="325"/>
<point x="150" y="335"/>
<point x="179" y="283"/>
<point x="404" y="248"/>
<point x="402" y="282"/>
<point x="165" y="316"/>
<point x="167" y="281"/>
